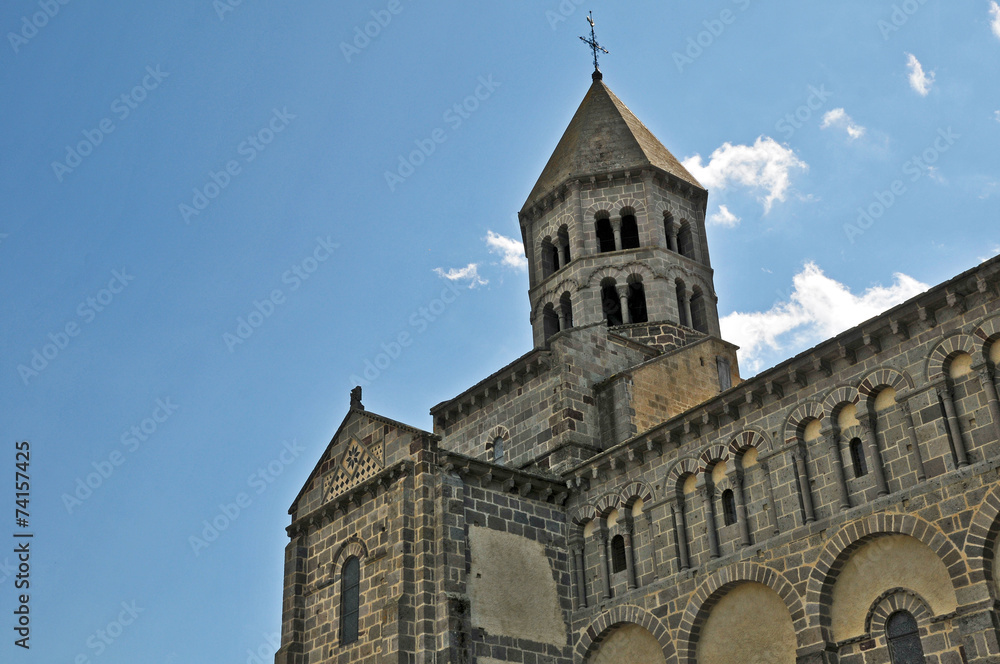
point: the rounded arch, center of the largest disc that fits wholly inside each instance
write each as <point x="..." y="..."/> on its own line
<point x="636" y="268"/>
<point x="799" y="418"/>
<point x="871" y="384"/>
<point x="634" y="491"/>
<point x="602" y="626"/>
<point x="837" y="397"/>
<point x="851" y="537"/>
<point x="891" y="601"/>
<point x="937" y="362"/>
<point x="713" y="455"/>
<point x="353" y="547"/>
<point x="748" y="438"/>
<point x="716" y="586"/>
<point x="498" y="432"/>
<point x="600" y="274"/>
<point x="629" y="205"/>
<point x="680" y="470"/>
<point x="606" y="503"/>
<point x="982" y="539"/>
<point x="584" y="514"/>
<point x="988" y="333"/>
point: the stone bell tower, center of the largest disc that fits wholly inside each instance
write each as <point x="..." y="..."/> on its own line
<point x="614" y="231"/>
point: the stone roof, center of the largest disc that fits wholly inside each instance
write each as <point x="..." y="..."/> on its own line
<point x="605" y="136"/>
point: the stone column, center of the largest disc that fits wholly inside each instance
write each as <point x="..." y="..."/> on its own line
<point x="680" y="534"/>
<point x="616" y="225"/>
<point x="687" y="308"/>
<point x="741" y="508"/>
<point x="623" y="299"/>
<point x="991" y="396"/>
<point x="911" y="433"/>
<point x="579" y="572"/>
<point x="769" y="487"/>
<point x="805" y="490"/>
<point x="672" y="237"/>
<point x="871" y="444"/>
<point x="605" y="574"/>
<point x="713" y="536"/>
<point x="954" y="428"/>
<point x="576" y="231"/>
<point x="837" y="462"/>
<point x="563" y="321"/>
<point x="630" y="575"/>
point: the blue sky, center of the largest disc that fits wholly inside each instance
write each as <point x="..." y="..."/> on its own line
<point x="200" y="243"/>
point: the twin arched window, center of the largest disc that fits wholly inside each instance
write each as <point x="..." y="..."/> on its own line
<point x="350" y="600"/>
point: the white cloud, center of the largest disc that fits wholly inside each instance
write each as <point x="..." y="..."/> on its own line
<point x="996" y="115"/>
<point x="920" y="82"/>
<point x="723" y="217"/>
<point x="818" y="308"/>
<point x="468" y="273"/>
<point x="765" y="166"/>
<point x="839" y="118"/>
<point x="511" y="251"/>
<point x="993" y="251"/>
<point x="995" y="18"/>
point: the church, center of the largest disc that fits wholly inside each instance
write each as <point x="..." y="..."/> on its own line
<point x="619" y="494"/>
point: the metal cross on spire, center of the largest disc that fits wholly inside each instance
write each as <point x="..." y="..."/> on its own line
<point x="592" y="42"/>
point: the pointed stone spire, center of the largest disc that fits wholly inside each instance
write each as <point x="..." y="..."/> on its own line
<point x="604" y="136"/>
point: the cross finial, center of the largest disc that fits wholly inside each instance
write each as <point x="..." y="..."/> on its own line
<point x="594" y="46"/>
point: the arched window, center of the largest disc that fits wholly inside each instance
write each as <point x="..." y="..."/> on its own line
<point x="610" y="303"/>
<point x="630" y="232"/>
<point x="858" y="458"/>
<point x="498" y="450"/>
<point x="904" y="639"/>
<point x="550" y="258"/>
<point x="637" y="302"/>
<point x="564" y="246"/>
<point x="618" y="563"/>
<point x="605" y="236"/>
<point x="682" y="309"/>
<point x="685" y="240"/>
<point x="670" y="231"/>
<point x="698" y="313"/>
<point x="566" y="309"/>
<point x="728" y="507"/>
<point x="550" y="321"/>
<point x="350" y="600"/>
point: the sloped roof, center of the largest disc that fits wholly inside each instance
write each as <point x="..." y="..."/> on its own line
<point x="605" y="136"/>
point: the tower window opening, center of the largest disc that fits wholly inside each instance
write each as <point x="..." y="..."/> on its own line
<point x="728" y="507"/>
<point x="550" y="321"/>
<point x="350" y="600"/>
<point x="637" y="303"/>
<point x="610" y="303"/>
<point x="618" y="562"/>
<point x="698" y="314"/>
<point x="670" y="231"/>
<point x="566" y="311"/>
<point x="630" y="232"/>
<point x="550" y="258"/>
<point x="605" y="236"/>
<point x="563" y="246"/>
<point x="858" y="458"/>
<point x="682" y="305"/>
<point x="685" y="240"/>
<point x="498" y="450"/>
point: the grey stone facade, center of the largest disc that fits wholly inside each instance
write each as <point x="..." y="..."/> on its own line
<point x="620" y="494"/>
